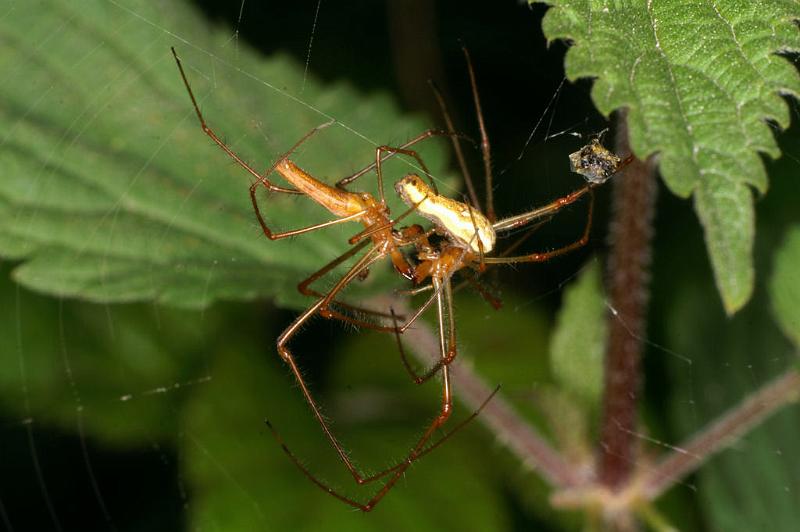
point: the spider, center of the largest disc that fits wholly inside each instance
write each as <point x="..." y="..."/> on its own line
<point x="465" y="238"/>
<point x="379" y="230"/>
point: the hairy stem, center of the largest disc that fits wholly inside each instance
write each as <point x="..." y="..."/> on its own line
<point x="631" y="231"/>
<point x="728" y="428"/>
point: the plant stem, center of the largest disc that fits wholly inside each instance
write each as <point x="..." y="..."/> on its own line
<point x="728" y="428"/>
<point x="631" y="231"/>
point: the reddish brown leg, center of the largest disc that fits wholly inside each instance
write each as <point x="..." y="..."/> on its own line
<point x="474" y="279"/>
<point x="419" y="138"/>
<point x="446" y="345"/>
<point x="441" y="299"/>
<point x="486" y="148"/>
<point x="547" y="255"/>
<point x="283" y="349"/>
<point x="261" y="179"/>
<point x="208" y="131"/>
<point x="304" y="288"/>
<point x="403" y="151"/>
<point x="352" y="502"/>
<point x="551" y="208"/>
<point x="413" y="291"/>
<point x="456" y="141"/>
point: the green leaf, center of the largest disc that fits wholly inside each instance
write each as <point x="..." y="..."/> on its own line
<point x="700" y="80"/>
<point x="785" y="286"/>
<point x="578" y="343"/>
<point x="111" y="191"/>
<point x="751" y="485"/>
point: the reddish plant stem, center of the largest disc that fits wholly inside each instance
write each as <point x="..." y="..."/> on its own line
<point x="631" y="232"/>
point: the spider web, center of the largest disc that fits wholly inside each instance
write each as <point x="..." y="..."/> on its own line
<point x="144" y="416"/>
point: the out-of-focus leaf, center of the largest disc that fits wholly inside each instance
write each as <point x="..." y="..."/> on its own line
<point x="66" y="362"/>
<point x="699" y="80"/>
<point x="752" y="485"/>
<point x="579" y="340"/>
<point x="508" y="346"/>
<point x="785" y="286"/>
<point x="111" y="192"/>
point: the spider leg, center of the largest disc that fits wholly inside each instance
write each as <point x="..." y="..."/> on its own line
<point x="456" y="141"/>
<point x="521" y="220"/>
<point x="388" y="153"/>
<point x="447" y="348"/>
<point x="446" y="336"/>
<point x="366" y="507"/>
<point x="413" y="291"/>
<point x="451" y="353"/>
<point x="473" y="279"/>
<point x="402" y="328"/>
<point x="389" y="150"/>
<point x="294" y="232"/>
<point x="219" y="142"/>
<point x="283" y="350"/>
<point x="547" y="255"/>
<point x="304" y="288"/>
<point x="486" y="148"/>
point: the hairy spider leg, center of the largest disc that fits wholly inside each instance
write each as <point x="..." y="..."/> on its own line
<point x="371" y="504"/>
<point x="547" y="255"/>
<point x="445" y="285"/>
<point x="446" y="344"/>
<point x="347" y="205"/>
<point x="447" y="330"/>
<point x="208" y="131"/>
<point x="303" y="288"/>
<point x="486" y="150"/>
<point x="388" y="152"/>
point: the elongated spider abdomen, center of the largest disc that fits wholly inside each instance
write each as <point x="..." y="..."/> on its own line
<point x="465" y="224"/>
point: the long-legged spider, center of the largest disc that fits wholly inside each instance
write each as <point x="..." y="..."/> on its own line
<point x="466" y="238"/>
<point x="379" y="230"/>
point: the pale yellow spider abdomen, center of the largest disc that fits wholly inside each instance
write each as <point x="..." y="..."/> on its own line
<point x="465" y="224"/>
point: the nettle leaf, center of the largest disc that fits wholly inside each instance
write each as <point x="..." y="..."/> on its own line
<point x="702" y="82"/>
<point x="785" y="286"/>
<point x="111" y="192"/>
